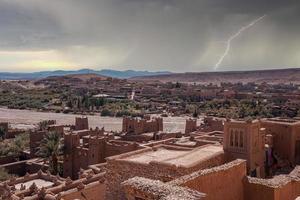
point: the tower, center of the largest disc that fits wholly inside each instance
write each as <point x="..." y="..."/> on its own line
<point x="190" y="125"/>
<point x="81" y="123"/>
<point x="246" y="140"/>
<point x="71" y="141"/>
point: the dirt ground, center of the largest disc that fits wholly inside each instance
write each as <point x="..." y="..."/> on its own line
<point x="28" y="119"/>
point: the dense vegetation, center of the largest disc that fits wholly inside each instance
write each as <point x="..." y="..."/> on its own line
<point x="238" y="109"/>
<point x="67" y="98"/>
<point x="14" y="147"/>
<point x="23" y="99"/>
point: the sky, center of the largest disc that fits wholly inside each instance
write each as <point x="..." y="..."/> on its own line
<point x="153" y="35"/>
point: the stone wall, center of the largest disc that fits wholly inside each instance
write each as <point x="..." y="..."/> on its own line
<point x="223" y="182"/>
<point x="280" y="187"/>
<point x="20" y="168"/>
<point x="113" y="148"/>
<point x="255" y="191"/>
<point x="93" y="191"/>
<point x="142" y="188"/>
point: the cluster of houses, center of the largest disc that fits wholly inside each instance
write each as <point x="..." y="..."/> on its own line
<point x="215" y="159"/>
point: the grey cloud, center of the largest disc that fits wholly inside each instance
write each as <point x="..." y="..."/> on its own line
<point x="157" y="34"/>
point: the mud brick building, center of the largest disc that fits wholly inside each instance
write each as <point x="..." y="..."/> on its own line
<point x="190" y="125"/>
<point x="138" y="126"/>
<point x="81" y="123"/>
<point x="84" y="148"/>
<point x="209" y="124"/>
<point x="162" y="162"/>
<point x="246" y="140"/>
<point x="44" y="186"/>
<point x="228" y="163"/>
<point x="286" y="137"/>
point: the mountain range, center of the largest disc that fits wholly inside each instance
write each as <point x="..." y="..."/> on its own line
<point x="272" y="76"/>
<point x="104" y="72"/>
<point x="291" y="75"/>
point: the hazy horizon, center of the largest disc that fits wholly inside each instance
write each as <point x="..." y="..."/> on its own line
<point x="146" y="70"/>
<point x="152" y="35"/>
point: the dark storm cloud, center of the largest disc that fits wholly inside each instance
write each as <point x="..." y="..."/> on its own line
<point x="25" y="28"/>
<point x="155" y="34"/>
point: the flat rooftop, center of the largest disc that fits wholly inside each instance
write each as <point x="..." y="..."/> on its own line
<point x="38" y="182"/>
<point x="178" y="157"/>
<point x="282" y="121"/>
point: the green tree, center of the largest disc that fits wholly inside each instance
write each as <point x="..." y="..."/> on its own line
<point x="2" y="133"/>
<point x="70" y="104"/>
<point x="195" y="114"/>
<point x="51" y="148"/>
<point x="106" y="112"/>
<point x="85" y="102"/>
<point x="100" y="102"/>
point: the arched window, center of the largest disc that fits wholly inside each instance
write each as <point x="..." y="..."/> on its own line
<point x="231" y="138"/>
<point x="241" y="139"/>
<point x="236" y="139"/>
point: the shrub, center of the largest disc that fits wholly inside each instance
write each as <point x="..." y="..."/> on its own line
<point x="123" y="113"/>
<point x="106" y="112"/>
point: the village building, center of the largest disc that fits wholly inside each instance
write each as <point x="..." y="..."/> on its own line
<point x="219" y="159"/>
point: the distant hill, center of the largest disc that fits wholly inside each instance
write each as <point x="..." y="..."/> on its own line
<point x="269" y="76"/>
<point x="104" y="72"/>
<point x="70" y="79"/>
<point x="86" y="77"/>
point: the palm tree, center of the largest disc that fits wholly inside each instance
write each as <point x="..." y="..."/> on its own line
<point x="42" y="125"/>
<point x="50" y="148"/>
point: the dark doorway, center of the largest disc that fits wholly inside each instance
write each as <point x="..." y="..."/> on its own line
<point x="297" y="152"/>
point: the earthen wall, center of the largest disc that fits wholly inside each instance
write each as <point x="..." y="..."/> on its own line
<point x="223" y="182"/>
<point x="94" y="191"/>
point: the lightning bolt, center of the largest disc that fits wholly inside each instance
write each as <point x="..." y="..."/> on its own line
<point x="228" y="42"/>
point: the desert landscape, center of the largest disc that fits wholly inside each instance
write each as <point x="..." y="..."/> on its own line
<point x="150" y="100"/>
<point x="272" y="76"/>
<point x="19" y="119"/>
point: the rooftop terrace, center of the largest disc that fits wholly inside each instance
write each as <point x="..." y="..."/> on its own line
<point x="183" y="157"/>
<point x="40" y="183"/>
